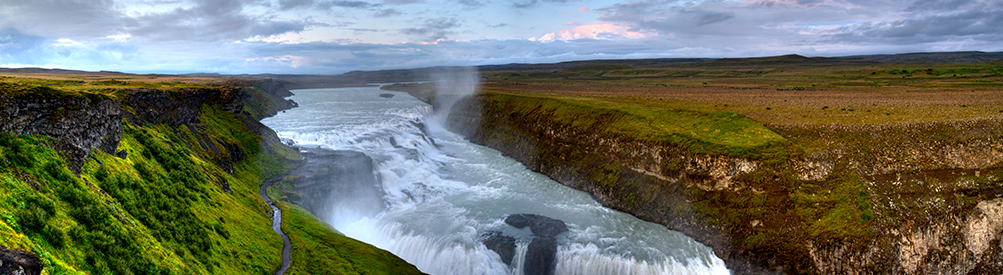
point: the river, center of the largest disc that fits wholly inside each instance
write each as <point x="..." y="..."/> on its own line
<point x="442" y="194"/>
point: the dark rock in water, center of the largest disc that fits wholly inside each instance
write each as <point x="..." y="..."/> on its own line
<point x="501" y="244"/>
<point x="342" y="180"/>
<point x="540" y="225"/>
<point x="393" y="142"/>
<point x="541" y="257"/>
<point x="386" y="95"/>
<point x="16" y="261"/>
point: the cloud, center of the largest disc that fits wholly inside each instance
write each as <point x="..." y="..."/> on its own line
<point x="403" y="2"/>
<point x="64" y="18"/>
<point x="594" y="30"/>
<point x="433" y="29"/>
<point x="788" y="3"/>
<point x="471" y="3"/>
<point x="209" y="21"/>
<point x="18" y="47"/>
<point x="930" y="22"/>
<point x="523" y="4"/>
<point x="387" y="13"/>
<point x="324" y="5"/>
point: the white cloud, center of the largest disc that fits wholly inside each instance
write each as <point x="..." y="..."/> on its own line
<point x="593" y="30"/>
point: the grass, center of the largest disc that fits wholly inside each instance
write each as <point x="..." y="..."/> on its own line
<point x="703" y="132"/>
<point x="95" y="87"/>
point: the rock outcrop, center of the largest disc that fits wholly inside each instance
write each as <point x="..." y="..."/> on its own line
<point x="541" y="253"/>
<point x="540" y="225"/>
<point x="332" y="180"/>
<point x="77" y="123"/>
<point x="19" y="262"/>
<point x="80" y="123"/>
<point x="501" y="244"/>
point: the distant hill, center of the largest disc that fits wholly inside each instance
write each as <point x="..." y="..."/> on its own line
<point x="938" y="57"/>
<point x="56" y="71"/>
<point x="783" y="60"/>
<point x="653" y="62"/>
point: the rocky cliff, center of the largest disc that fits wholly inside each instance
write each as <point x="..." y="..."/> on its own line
<point x="913" y="199"/>
<point x="79" y="124"/>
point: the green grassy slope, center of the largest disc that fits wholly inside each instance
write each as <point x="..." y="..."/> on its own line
<point x="183" y="201"/>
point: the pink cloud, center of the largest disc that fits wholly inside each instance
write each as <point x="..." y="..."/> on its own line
<point x="584" y="9"/>
<point x="573" y="23"/>
<point x="593" y="30"/>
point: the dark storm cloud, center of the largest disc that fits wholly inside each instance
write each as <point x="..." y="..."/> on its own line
<point x="434" y="28"/>
<point x="65" y="18"/>
<point x="931" y="22"/>
<point x="681" y="20"/>
<point x="210" y="21"/>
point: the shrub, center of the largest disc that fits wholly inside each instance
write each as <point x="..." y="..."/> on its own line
<point x="32" y="219"/>
<point x="54" y="235"/>
<point x="57" y="171"/>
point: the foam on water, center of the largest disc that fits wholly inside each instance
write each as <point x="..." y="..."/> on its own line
<point x="443" y="193"/>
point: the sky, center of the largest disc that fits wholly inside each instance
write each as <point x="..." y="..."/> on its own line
<point x="334" y="37"/>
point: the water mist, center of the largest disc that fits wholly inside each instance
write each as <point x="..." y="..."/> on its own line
<point x="451" y="85"/>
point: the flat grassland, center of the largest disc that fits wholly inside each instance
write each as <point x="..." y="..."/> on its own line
<point x="785" y="94"/>
<point x="775" y="93"/>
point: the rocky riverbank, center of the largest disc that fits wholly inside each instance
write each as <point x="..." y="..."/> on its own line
<point x="912" y="199"/>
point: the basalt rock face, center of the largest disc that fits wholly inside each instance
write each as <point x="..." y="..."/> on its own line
<point x="332" y="180"/>
<point x="79" y="124"/>
<point x="178" y="108"/>
<point x="19" y="262"/>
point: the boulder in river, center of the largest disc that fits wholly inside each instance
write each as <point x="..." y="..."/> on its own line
<point x="540" y="225"/>
<point x="386" y="95"/>
<point x="501" y="244"/>
<point x="541" y="256"/>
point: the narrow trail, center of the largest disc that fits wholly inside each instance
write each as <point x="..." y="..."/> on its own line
<point x="277" y="226"/>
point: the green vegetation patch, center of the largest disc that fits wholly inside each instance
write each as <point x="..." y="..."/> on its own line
<point x="161" y="210"/>
<point x="700" y="132"/>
